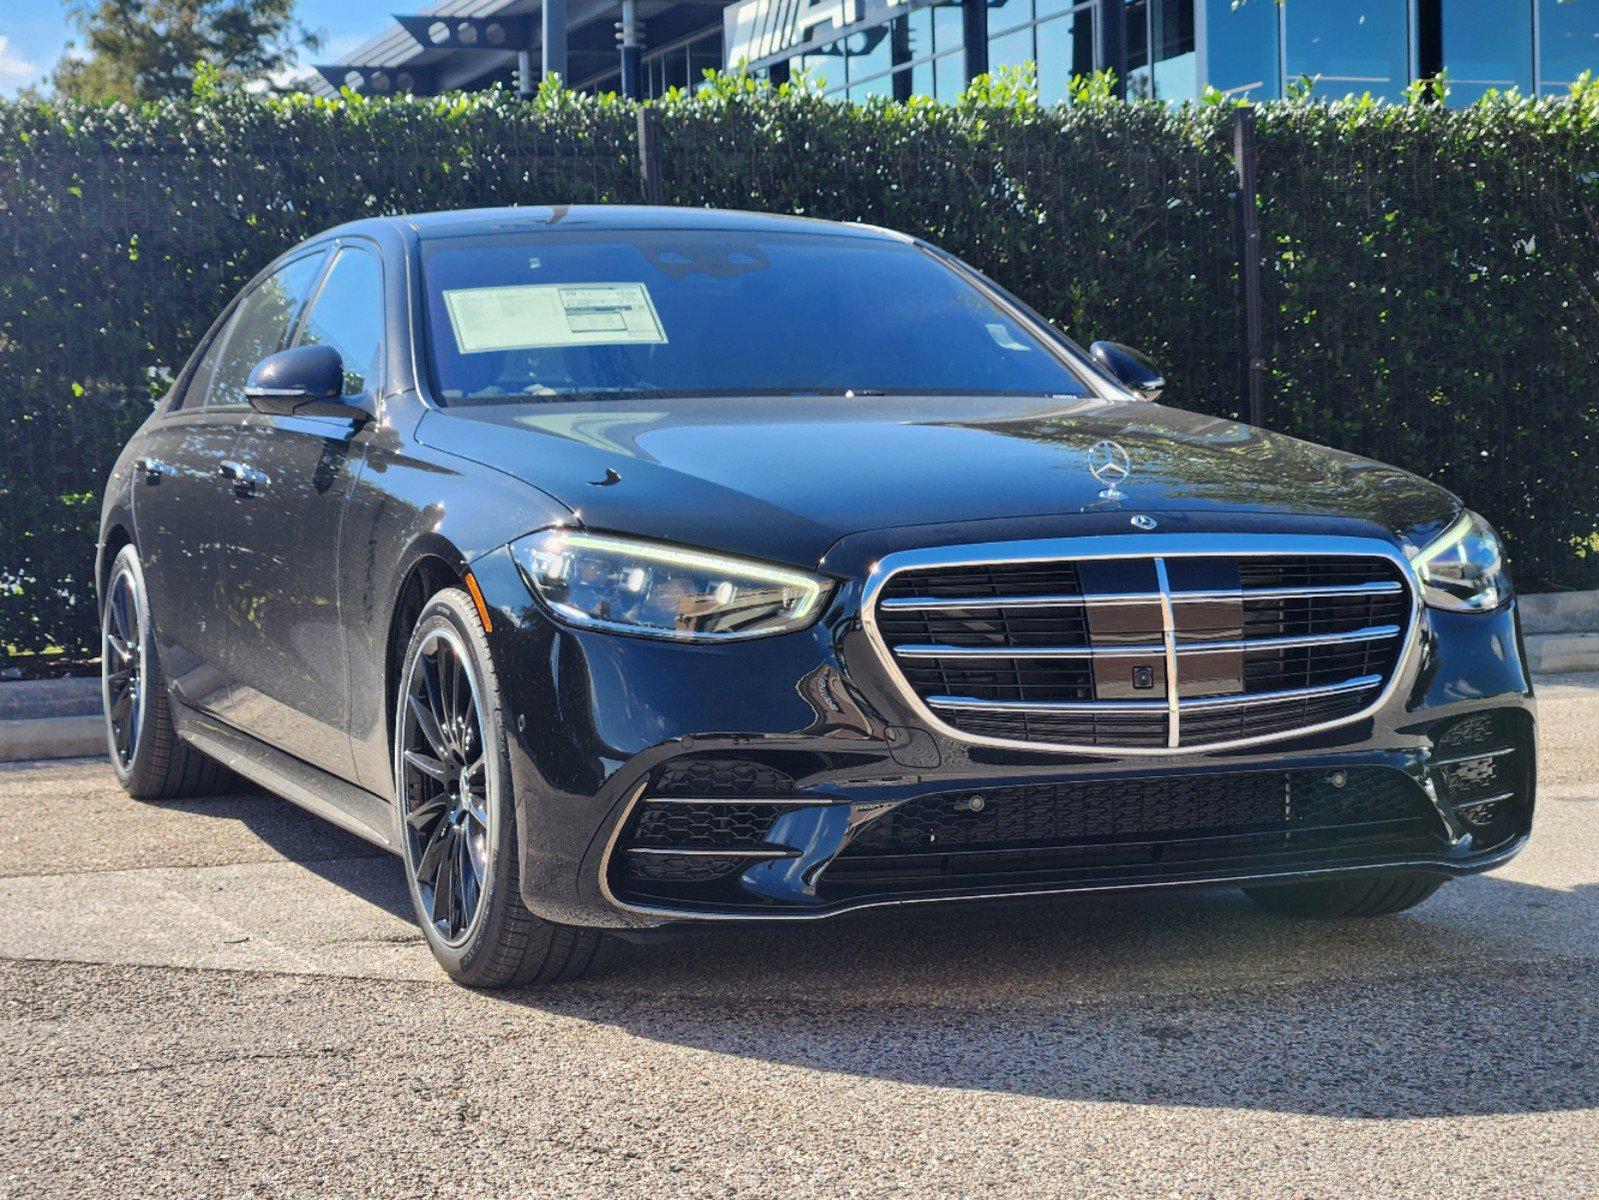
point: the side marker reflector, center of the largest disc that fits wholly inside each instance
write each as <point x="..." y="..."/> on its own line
<point x="477" y="599"/>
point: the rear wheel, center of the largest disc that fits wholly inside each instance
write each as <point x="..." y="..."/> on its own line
<point x="150" y="761"/>
<point x="458" y="818"/>
<point x="1369" y="896"/>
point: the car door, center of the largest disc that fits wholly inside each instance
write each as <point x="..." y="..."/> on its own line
<point x="179" y="490"/>
<point x="281" y="552"/>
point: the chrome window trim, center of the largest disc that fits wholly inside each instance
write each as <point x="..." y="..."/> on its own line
<point x="1153" y="546"/>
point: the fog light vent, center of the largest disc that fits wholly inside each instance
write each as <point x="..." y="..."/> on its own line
<point x="1472" y="775"/>
<point x="1470" y="733"/>
<point x="721" y="777"/>
<point x="1484" y="813"/>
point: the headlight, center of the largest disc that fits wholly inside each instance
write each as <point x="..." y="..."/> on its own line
<point x="1463" y="568"/>
<point x="657" y="590"/>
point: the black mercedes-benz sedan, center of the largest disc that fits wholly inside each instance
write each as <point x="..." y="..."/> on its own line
<point x="625" y="567"/>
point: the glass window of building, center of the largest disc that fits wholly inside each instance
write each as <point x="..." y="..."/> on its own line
<point x="1161" y="60"/>
<point x="870" y="57"/>
<point x="1010" y="34"/>
<point x="919" y="53"/>
<point x="1486" y="44"/>
<point x="1056" y="37"/>
<point x="824" y="67"/>
<point x="1065" y="48"/>
<point x="1568" y="42"/>
<point x="1351" y="47"/>
<point x="1243" y="48"/>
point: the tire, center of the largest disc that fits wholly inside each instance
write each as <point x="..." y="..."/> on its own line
<point x="1373" y="896"/>
<point x="458" y="827"/>
<point x="151" y="761"/>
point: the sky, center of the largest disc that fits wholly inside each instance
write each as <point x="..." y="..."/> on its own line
<point x="33" y="33"/>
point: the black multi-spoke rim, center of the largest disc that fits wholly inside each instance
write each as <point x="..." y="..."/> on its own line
<point x="121" y="666"/>
<point x="444" y="786"/>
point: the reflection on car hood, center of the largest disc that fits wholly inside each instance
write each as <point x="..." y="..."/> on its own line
<point x="787" y="478"/>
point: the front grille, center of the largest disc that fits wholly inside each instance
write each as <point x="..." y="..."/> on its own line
<point x="1165" y="651"/>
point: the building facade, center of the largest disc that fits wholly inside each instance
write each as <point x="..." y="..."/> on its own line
<point x="1166" y="49"/>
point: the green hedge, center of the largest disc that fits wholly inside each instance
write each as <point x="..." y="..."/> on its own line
<point x="1431" y="276"/>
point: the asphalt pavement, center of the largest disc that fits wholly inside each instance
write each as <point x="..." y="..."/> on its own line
<point x="227" y="997"/>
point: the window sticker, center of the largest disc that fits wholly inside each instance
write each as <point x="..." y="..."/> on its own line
<point x="1005" y="339"/>
<point x="541" y="316"/>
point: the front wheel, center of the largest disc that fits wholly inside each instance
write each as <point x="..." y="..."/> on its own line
<point x="458" y="817"/>
<point x="1369" y="896"/>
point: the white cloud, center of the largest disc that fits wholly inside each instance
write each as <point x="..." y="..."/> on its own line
<point x="15" y="71"/>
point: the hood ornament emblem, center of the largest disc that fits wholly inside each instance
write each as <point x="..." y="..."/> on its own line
<point x="1108" y="463"/>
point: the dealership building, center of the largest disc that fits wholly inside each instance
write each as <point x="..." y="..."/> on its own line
<point x="1169" y="49"/>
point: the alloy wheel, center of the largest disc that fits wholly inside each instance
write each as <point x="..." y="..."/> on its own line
<point x="444" y="785"/>
<point x="122" y="666"/>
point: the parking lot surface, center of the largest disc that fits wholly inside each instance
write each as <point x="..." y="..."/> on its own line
<point x="227" y="997"/>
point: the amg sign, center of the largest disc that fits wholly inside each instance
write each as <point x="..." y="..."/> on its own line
<point x="756" y="31"/>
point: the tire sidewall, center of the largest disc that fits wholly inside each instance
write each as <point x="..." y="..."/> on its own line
<point x="453" y="611"/>
<point x="130" y="775"/>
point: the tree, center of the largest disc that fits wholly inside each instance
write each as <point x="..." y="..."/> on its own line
<point x="144" y="49"/>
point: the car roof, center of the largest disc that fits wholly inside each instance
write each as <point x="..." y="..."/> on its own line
<point x="599" y="217"/>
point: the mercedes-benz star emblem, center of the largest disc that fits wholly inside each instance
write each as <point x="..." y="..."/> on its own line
<point x="1143" y="522"/>
<point x="1109" y="464"/>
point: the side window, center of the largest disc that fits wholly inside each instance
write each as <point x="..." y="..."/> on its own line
<point x="257" y="329"/>
<point x="347" y="314"/>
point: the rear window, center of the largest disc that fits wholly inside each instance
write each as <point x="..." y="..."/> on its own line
<point x="639" y="313"/>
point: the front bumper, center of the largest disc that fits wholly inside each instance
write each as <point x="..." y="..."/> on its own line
<point x="601" y="726"/>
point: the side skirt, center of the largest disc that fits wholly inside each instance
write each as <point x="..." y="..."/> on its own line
<point x="313" y="789"/>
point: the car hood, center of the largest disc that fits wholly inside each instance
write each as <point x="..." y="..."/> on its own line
<point x="785" y="479"/>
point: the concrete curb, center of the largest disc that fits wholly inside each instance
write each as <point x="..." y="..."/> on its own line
<point x="1562" y="653"/>
<point x="51" y="737"/>
<point x="1559" y="612"/>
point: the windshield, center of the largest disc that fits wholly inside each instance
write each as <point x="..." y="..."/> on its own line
<point x="630" y="313"/>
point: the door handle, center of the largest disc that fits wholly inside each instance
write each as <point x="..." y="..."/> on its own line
<point x="246" y="479"/>
<point x="152" y="469"/>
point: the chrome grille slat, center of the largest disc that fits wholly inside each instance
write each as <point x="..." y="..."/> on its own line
<point x="1361" y="683"/>
<point x="1139" y="649"/>
<point x="1128" y="644"/>
<point x="936" y="603"/>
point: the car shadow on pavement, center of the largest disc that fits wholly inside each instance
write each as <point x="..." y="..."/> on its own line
<point x="1483" y="1000"/>
<point x="367" y="872"/>
<point x="1175" y="999"/>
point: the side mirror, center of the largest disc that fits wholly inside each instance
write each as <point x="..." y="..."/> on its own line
<point x="1129" y="368"/>
<point x="307" y="381"/>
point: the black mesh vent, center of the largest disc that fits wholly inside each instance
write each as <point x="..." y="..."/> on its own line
<point x="1158" y="807"/>
<point x="701" y="826"/>
<point x="680" y="870"/>
<point x="720" y="777"/>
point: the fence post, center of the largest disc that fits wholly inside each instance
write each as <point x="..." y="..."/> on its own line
<point x="1254" y="361"/>
<point x="649" y="153"/>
